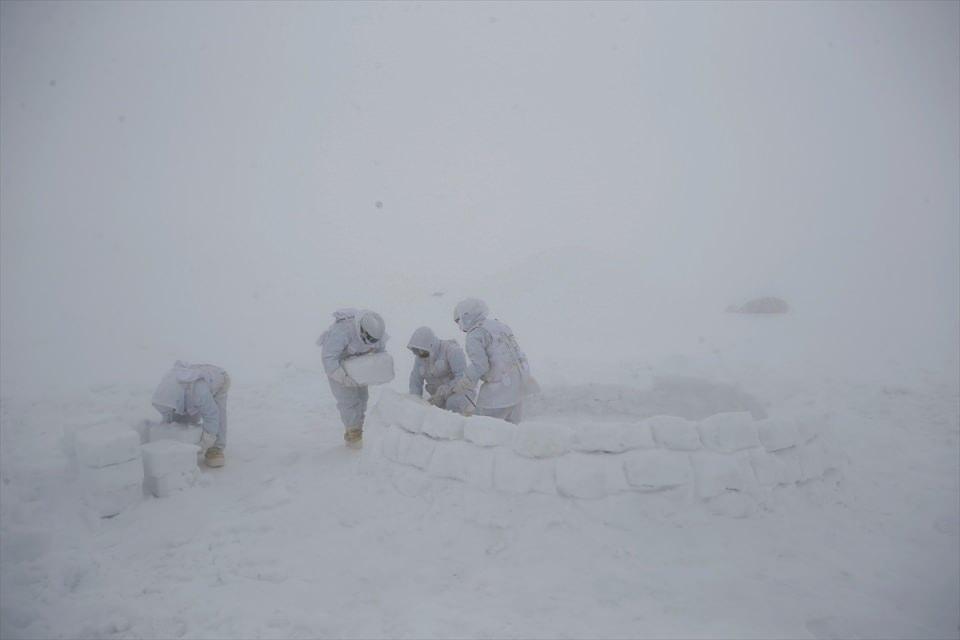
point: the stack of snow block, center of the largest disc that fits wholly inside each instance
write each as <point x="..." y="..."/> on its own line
<point x="169" y="466"/>
<point x="370" y="369"/>
<point x="110" y="467"/>
<point x="728" y="461"/>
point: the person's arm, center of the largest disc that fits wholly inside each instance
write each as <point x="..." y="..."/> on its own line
<point x="477" y="353"/>
<point x="456" y="360"/>
<point x="334" y="345"/>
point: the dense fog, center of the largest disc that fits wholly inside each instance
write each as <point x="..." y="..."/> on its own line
<point x="209" y="181"/>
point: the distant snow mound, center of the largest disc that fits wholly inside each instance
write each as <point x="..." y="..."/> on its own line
<point x="729" y="462"/>
<point x="766" y="304"/>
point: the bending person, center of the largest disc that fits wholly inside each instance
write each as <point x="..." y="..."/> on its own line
<point x="438" y="364"/>
<point x="197" y="394"/>
<point x="354" y="332"/>
<point x="496" y="360"/>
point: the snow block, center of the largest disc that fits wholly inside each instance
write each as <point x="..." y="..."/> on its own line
<point x="542" y="440"/>
<point x="462" y="461"/>
<point x="488" y="432"/>
<point x="395" y="443"/>
<point x="143" y="430"/>
<point x="715" y="473"/>
<point x="418" y="452"/>
<point x="771" y="470"/>
<point x="729" y="432"/>
<point x="106" y="444"/>
<point x="388" y="406"/>
<point x="167" y="485"/>
<point x="656" y="470"/>
<point x="611" y="437"/>
<point x="732" y="504"/>
<point x="370" y="369"/>
<point x="675" y="433"/>
<point x="442" y="424"/>
<point x="114" y="488"/>
<point x="188" y="433"/>
<point x="585" y="475"/>
<point x="410" y="413"/>
<point x="776" y="434"/>
<point x="516" y="474"/>
<point x="166" y="457"/>
<point x="791" y="460"/>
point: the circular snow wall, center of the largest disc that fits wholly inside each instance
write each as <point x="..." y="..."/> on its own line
<point x="727" y="459"/>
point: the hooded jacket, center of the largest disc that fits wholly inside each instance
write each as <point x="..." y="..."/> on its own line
<point x="445" y="363"/>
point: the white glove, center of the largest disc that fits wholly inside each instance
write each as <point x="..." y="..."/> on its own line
<point x="443" y="391"/>
<point x="341" y="376"/>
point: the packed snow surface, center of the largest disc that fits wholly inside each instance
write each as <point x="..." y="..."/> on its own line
<point x="459" y="528"/>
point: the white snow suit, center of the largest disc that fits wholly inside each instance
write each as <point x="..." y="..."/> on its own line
<point x="341" y="341"/>
<point x="497" y="361"/>
<point x="195" y="393"/>
<point x="444" y="364"/>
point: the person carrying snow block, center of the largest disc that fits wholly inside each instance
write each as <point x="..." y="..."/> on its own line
<point x="354" y="332"/>
<point x="496" y="360"/>
<point x="197" y="394"/>
<point x="438" y="364"/>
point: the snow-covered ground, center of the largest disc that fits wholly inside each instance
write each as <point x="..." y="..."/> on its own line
<point x="209" y="181"/>
<point x="299" y="537"/>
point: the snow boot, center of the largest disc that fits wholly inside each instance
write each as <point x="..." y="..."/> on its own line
<point x="353" y="437"/>
<point x="214" y="457"/>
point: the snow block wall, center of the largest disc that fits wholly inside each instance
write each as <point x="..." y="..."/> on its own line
<point x="110" y="467"/>
<point x="169" y="466"/>
<point x="729" y="461"/>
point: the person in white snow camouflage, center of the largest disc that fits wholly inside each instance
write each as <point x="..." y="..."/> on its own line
<point x="197" y="393"/>
<point x="438" y="364"/>
<point x="354" y="332"/>
<point x="496" y="360"/>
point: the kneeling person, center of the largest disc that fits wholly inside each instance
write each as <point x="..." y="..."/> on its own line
<point x="438" y="364"/>
<point x="197" y="394"/>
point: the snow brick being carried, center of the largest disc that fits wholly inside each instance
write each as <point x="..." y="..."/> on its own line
<point x="370" y="369"/>
<point x="418" y="451"/>
<point x="166" y="457"/>
<point x="715" y="473"/>
<point x="187" y="433"/>
<point x="106" y="444"/>
<point x="611" y="437"/>
<point x="410" y="413"/>
<point x="673" y="432"/>
<point x="542" y="440"/>
<point x="729" y="432"/>
<point x="488" y="432"/>
<point x="776" y="434"/>
<point x="114" y="488"/>
<point x="462" y="461"/>
<point x="443" y="424"/>
<point x="585" y="475"/>
<point x="516" y="474"/>
<point x="656" y="470"/>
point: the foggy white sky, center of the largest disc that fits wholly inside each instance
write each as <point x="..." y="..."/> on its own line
<point x="199" y="180"/>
